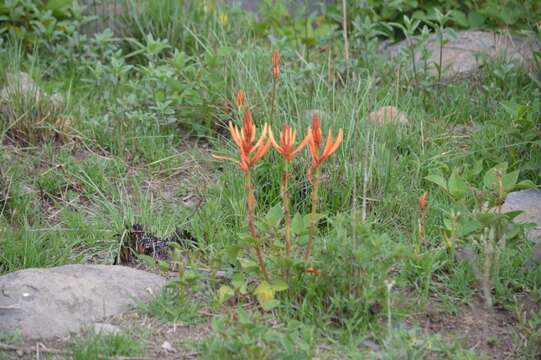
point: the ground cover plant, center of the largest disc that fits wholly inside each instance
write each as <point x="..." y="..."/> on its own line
<point x="290" y="224"/>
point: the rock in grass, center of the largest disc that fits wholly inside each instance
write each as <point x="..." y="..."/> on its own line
<point x="387" y="115"/>
<point x="466" y="52"/>
<point x="528" y="201"/>
<point x="54" y="302"/>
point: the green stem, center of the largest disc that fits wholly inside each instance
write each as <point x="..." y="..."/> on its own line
<point x="312" y="229"/>
<point x="250" y="204"/>
<point x="285" y="200"/>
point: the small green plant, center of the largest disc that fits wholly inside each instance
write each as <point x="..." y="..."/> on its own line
<point x="247" y="336"/>
<point x="475" y="228"/>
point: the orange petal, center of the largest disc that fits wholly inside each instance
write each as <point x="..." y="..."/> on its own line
<point x="261" y="139"/>
<point x="235" y="134"/>
<point x="305" y="141"/>
<point x="218" y="157"/>
<point x="260" y="152"/>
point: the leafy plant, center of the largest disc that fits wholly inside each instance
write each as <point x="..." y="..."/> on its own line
<point x="41" y="22"/>
<point x="475" y="228"/>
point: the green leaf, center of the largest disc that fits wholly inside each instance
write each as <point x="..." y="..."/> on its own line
<point x="524" y="184"/>
<point x="163" y="266"/>
<point x="248" y="265"/>
<point x="265" y="295"/>
<point x="225" y="293"/>
<point x="148" y="260"/>
<point x="239" y="283"/>
<point x="490" y="180"/>
<point x="438" y="180"/>
<point x="274" y="215"/>
<point x="298" y="224"/>
<point x="457" y="185"/>
<point x="279" y="285"/>
<point x="510" y="180"/>
<point x="60" y="8"/>
<point x="476" y="19"/>
<point x="467" y="226"/>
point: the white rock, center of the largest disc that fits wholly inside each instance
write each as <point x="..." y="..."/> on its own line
<point x="54" y="302"/>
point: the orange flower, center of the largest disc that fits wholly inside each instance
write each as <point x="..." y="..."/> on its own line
<point x="287" y="142"/>
<point x="276" y="64"/>
<point x="240" y="98"/>
<point x="315" y="135"/>
<point x="422" y="200"/>
<point x="250" y="153"/>
<point x="312" y="270"/>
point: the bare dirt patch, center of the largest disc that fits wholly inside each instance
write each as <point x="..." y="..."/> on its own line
<point x="487" y="332"/>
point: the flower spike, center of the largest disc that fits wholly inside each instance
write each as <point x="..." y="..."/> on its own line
<point x="244" y="138"/>
<point x="315" y="135"/>
<point x="287" y="142"/>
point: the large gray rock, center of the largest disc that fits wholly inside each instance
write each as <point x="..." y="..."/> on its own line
<point x="528" y="201"/>
<point x="465" y="53"/>
<point x="54" y="302"/>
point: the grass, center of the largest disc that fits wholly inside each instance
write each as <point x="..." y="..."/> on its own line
<point x="107" y="346"/>
<point x="138" y="151"/>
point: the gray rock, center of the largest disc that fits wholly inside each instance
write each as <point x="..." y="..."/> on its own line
<point x="21" y="84"/>
<point x="528" y="201"/>
<point x="54" y="302"/>
<point x="465" y="53"/>
<point x="387" y="115"/>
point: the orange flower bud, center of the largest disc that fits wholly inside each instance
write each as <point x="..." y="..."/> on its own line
<point x="276" y="64"/>
<point x="240" y="98"/>
<point x="422" y="200"/>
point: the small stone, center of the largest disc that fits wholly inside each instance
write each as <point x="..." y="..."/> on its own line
<point x="309" y="114"/>
<point x="105" y="328"/>
<point x="168" y="347"/>
<point x="387" y="115"/>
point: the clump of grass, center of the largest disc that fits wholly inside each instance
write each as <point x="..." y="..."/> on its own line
<point x="105" y="346"/>
<point x="28" y="115"/>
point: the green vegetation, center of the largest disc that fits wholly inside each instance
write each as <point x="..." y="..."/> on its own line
<point x="141" y="113"/>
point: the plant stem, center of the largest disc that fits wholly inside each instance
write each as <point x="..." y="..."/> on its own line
<point x="285" y="200"/>
<point x="250" y="204"/>
<point x="273" y="99"/>
<point x="312" y="229"/>
<point x="345" y="33"/>
<point x="422" y="227"/>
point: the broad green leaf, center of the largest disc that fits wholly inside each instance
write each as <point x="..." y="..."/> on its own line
<point x="274" y="215"/>
<point x="524" y="184"/>
<point x="279" y="285"/>
<point x="510" y="180"/>
<point x="265" y="295"/>
<point x="476" y="19"/>
<point x="248" y="265"/>
<point x="225" y="293"/>
<point x="490" y="180"/>
<point x="468" y="226"/>
<point x="457" y="185"/>
<point x="59" y="8"/>
<point x="438" y="180"/>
